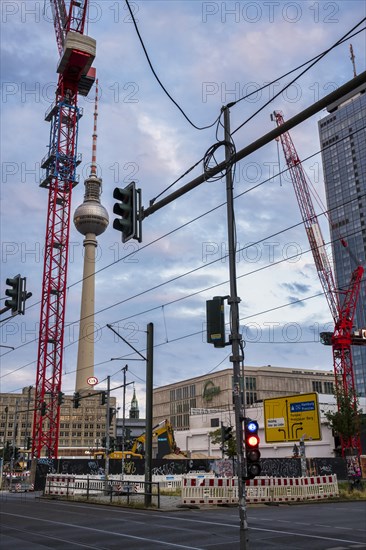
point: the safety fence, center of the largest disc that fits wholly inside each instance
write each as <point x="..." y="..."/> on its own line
<point x="18" y="482"/>
<point x="95" y="487"/>
<point x="265" y="489"/>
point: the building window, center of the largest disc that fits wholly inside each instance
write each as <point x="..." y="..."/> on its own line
<point x="250" y="383"/>
<point x="317" y="386"/>
<point x="328" y="387"/>
<point x="250" y="397"/>
<point x="172" y="395"/>
<point x="192" y="391"/>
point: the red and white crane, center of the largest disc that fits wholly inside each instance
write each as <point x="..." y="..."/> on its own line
<point x="342" y="303"/>
<point x="76" y="76"/>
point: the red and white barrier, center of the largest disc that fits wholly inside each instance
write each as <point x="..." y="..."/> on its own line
<point x="268" y="489"/>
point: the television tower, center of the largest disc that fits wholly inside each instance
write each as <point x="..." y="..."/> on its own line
<point x="91" y="219"/>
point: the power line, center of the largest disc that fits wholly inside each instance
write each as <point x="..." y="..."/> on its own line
<point x="297" y="77"/>
<point x="158" y="79"/>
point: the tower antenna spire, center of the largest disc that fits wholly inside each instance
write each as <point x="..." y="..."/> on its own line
<point x="352" y="58"/>
<point x="93" y="168"/>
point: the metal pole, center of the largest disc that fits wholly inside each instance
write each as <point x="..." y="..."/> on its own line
<point x="26" y="424"/>
<point x="125" y="368"/>
<point x="149" y="411"/>
<point x="14" y="441"/>
<point x="107" y="429"/>
<point x="235" y="337"/>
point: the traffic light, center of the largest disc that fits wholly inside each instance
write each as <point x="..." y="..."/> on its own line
<point x="14" y="293"/>
<point x="28" y="443"/>
<point x="112" y="444"/>
<point x="215" y="320"/>
<point x="103" y="397"/>
<point x="60" y="398"/>
<point x="226" y="434"/>
<point x="104" y="441"/>
<point x="129" y="198"/>
<point x="76" y="400"/>
<point x="252" y="452"/>
<point x="112" y="412"/>
<point x="43" y="408"/>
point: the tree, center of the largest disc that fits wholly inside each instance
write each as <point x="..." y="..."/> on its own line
<point x="346" y="420"/>
<point x="229" y="448"/>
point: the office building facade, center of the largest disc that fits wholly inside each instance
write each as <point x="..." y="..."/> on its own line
<point x="215" y="391"/>
<point x="343" y="142"/>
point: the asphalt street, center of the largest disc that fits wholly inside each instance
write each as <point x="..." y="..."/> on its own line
<point x="31" y="523"/>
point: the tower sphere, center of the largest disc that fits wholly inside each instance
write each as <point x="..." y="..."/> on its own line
<point x="91" y="216"/>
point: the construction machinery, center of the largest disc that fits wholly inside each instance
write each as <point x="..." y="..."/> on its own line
<point x="76" y="76"/>
<point x="342" y="303"/>
<point x="164" y="433"/>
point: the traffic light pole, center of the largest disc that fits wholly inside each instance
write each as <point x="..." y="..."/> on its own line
<point x="149" y="411"/>
<point x="235" y="337"/>
<point x="107" y="430"/>
<point x="125" y="368"/>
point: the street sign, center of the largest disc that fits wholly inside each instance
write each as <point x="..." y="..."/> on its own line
<point x="92" y="381"/>
<point x="291" y="418"/>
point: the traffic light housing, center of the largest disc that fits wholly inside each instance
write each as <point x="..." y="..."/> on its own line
<point x="14" y="293"/>
<point x="43" y="408"/>
<point x="215" y="320"/>
<point x="103" y="398"/>
<point x="252" y="452"/>
<point x="28" y="443"/>
<point x="76" y="400"/>
<point x="60" y="398"/>
<point x="129" y="203"/>
<point x="112" y="444"/>
<point x="226" y="434"/>
<point x="17" y="293"/>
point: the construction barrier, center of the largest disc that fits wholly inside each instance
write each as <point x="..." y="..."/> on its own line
<point x="262" y="489"/>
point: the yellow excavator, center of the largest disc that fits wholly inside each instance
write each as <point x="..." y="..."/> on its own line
<point x="164" y="428"/>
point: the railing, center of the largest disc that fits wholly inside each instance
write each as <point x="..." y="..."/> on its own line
<point x="95" y="487"/>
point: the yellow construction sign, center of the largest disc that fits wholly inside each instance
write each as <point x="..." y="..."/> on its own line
<point x="291" y="418"/>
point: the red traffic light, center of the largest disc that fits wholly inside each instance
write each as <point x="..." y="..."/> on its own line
<point x="252" y="440"/>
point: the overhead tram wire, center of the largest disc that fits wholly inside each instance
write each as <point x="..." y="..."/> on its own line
<point x="191" y="221"/>
<point x="158" y="79"/>
<point x="125" y="357"/>
<point x="344" y="37"/>
<point x="218" y="120"/>
<point x="199" y="292"/>
<point x="256" y="186"/>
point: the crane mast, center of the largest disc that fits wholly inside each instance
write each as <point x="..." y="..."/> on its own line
<point x="342" y="310"/>
<point x="76" y="76"/>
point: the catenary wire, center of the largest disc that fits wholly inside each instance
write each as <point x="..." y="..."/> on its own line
<point x="297" y="77"/>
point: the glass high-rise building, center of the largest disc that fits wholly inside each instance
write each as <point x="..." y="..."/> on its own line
<point x="343" y="140"/>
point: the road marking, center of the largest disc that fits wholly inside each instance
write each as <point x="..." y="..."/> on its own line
<point x="102" y="531"/>
<point x="68" y="542"/>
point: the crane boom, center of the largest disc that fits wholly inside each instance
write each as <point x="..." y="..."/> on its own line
<point x="343" y="311"/>
<point x="310" y="219"/>
<point x="76" y="76"/>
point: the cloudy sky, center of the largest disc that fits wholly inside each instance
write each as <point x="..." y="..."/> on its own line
<point x="206" y="54"/>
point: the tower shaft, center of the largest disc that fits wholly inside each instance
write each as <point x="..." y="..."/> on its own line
<point x="85" y="361"/>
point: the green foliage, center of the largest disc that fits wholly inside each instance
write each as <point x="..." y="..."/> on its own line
<point x="346" y="421"/>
